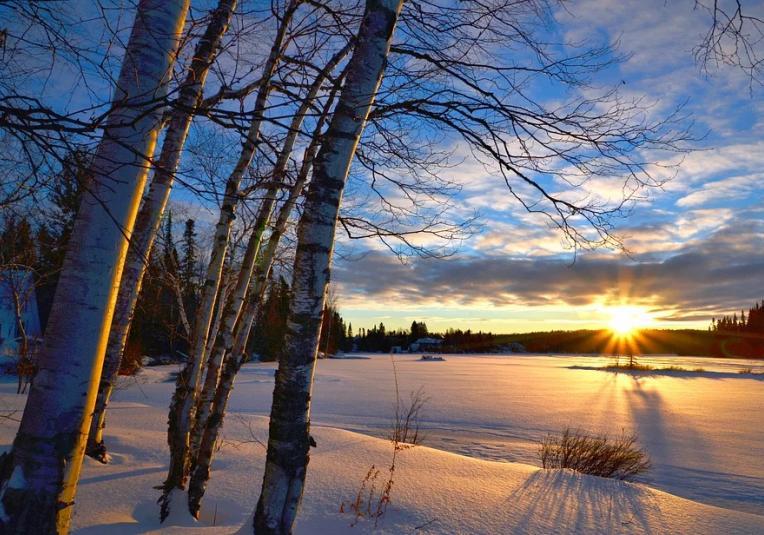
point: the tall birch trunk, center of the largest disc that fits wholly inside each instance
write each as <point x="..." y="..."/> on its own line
<point x="225" y="342"/>
<point x="187" y="385"/>
<point x="254" y="300"/>
<point x="230" y="314"/>
<point x="289" y="430"/>
<point x="222" y="297"/>
<point x="40" y="474"/>
<point x="235" y="356"/>
<point x="150" y="216"/>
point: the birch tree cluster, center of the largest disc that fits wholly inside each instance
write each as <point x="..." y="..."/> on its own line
<point x="283" y="122"/>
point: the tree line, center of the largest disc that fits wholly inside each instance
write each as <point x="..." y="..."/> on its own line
<point x="752" y="323"/>
<point x="379" y="339"/>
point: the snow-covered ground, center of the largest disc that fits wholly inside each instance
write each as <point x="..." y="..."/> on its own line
<point x="702" y="430"/>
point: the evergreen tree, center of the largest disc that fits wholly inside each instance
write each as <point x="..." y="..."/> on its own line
<point x="188" y="268"/>
<point x="268" y="333"/>
<point x="17" y="243"/>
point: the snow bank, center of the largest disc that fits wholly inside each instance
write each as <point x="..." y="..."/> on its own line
<point x="435" y="491"/>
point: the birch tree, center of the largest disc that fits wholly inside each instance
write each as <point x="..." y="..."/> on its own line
<point x="187" y="385"/>
<point x="289" y="432"/>
<point x="39" y="475"/>
<point x="224" y="340"/>
<point x="150" y="215"/>
<point x="230" y="347"/>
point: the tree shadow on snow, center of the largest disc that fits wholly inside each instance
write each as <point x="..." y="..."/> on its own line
<point x="675" y="373"/>
<point x="222" y="516"/>
<point x="557" y="501"/>
<point x="122" y="475"/>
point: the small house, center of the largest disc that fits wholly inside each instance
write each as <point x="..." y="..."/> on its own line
<point x="425" y="344"/>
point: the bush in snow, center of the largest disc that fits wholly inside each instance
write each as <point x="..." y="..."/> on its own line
<point x="370" y="501"/>
<point x="405" y="426"/>
<point x="619" y="458"/>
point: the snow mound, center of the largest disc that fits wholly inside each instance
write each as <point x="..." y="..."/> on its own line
<point x="433" y="492"/>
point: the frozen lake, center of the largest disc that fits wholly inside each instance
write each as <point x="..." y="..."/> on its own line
<point x="703" y="431"/>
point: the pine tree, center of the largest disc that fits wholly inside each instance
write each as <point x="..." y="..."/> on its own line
<point x="188" y="268"/>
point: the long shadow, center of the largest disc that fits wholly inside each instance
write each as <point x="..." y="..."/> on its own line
<point x="671" y="471"/>
<point x="122" y="475"/>
<point x="218" y="516"/>
<point x="647" y="413"/>
<point x="550" y="499"/>
<point x="678" y="374"/>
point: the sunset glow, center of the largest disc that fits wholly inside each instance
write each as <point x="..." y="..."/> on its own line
<point x="624" y="320"/>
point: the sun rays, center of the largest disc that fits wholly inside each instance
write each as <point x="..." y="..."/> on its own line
<point x="625" y="321"/>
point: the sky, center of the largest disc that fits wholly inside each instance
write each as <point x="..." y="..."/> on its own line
<point x="693" y="247"/>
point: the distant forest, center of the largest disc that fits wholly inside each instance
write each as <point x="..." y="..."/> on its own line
<point x="687" y="342"/>
<point x="729" y="336"/>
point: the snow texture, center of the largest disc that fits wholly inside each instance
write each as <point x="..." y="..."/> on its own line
<point x="703" y="434"/>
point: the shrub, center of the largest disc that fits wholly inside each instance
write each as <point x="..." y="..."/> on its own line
<point x="370" y="501"/>
<point x="618" y="458"/>
<point x="405" y="426"/>
<point x="631" y="366"/>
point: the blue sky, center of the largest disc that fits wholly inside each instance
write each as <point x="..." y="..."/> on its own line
<point x="694" y="246"/>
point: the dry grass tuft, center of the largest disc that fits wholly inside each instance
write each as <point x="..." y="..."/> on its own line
<point x="618" y="458"/>
<point x="371" y="501"/>
<point x="405" y="427"/>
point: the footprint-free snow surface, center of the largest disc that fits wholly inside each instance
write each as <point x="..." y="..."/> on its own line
<point x="475" y="474"/>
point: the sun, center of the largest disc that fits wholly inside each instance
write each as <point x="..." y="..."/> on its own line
<point x="625" y="320"/>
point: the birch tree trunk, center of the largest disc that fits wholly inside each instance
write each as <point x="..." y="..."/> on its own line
<point x="39" y="476"/>
<point x="228" y="320"/>
<point x="255" y="299"/>
<point x="225" y="287"/>
<point x="234" y="358"/>
<point x="289" y="429"/>
<point x="202" y="456"/>
<point x="187" y="385"/>
<point x="150" y="216"/>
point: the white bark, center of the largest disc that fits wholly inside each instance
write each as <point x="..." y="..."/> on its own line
<point x="289" y="430"/>
<point x="220" y="300"/>
<point x="244" y="327"/>
<point x="234" y="358"/>
<point x="229" y="316"/>
<point x="225" y="340"/>
<point x="48" y="450"/>
<point x="150" y="215"/>
<point x="187" y="386"/>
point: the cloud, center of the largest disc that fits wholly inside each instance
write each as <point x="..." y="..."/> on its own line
<point x="719" y="273"/>
<point x="728" y="189"/>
